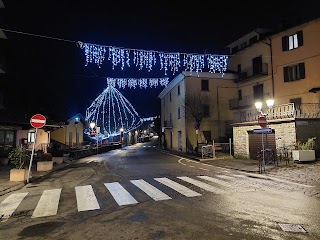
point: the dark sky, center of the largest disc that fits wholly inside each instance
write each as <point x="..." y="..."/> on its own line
<point x="50" y="74"/>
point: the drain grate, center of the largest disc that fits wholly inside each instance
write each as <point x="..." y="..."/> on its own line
<point x="292" y="227"/>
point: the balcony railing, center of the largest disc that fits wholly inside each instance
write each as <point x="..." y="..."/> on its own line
<point x="305" y="110"/>
<point x="254" y="71"/>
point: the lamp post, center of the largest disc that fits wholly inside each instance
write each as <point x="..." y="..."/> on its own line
<point x="259" y="104"/>
<point x="76" y="121"/>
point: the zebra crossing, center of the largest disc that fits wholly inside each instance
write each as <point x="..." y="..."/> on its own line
<point x="87" y="200"/>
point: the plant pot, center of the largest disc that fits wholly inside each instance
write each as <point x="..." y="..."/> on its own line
<point x="303" y="155"/>
<point x="57" y="160"/>
<point x="18" y="175"/>
<point x="44" y="166"/>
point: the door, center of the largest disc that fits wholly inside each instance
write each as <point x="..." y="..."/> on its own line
<point x="255" y="143"/>
<point x="179" y="140"/>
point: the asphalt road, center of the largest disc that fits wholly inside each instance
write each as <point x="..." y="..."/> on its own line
<point x="139" y="192"/>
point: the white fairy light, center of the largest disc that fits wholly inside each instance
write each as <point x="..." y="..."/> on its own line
<point x="148" y="58"/>
<point x="134" y="82"/>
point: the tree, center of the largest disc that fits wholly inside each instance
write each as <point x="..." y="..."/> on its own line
<point x="195" y="106"/>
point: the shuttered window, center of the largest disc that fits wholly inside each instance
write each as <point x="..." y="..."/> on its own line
<point x="293" y="41"/>
<point x="294" y="73"/>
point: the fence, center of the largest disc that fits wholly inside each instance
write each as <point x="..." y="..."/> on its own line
<point x="209" y="150"/>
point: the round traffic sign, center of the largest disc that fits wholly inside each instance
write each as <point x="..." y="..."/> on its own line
<point x="38" y="121"/>
<point x="262" y="120"/>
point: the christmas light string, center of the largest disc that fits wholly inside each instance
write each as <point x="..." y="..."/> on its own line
<point x="148" y="58"/>
<point x="134" y="82"/>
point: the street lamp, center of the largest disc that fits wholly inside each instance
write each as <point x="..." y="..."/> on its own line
<point x="121" y="134"/>
<point x="263" y="123"/>
<point x="92" y="126"/>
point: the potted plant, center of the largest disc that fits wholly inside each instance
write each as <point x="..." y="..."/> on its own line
<point x="20" y="158"/>
<point x="304" y="151"/>
<point x="45" y="162"/>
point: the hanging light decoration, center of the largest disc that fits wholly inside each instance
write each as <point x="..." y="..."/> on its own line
<point x="147" y="59"/>
<point x="134" y="82"/>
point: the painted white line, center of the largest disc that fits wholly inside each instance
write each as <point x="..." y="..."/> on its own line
<point x="120" y="195"/>
<point x="48" y="203"/>
<point x="150" y="190"/>
<point x="10" y="204"/>
<point x="214" y="180"/>
<point x="86" y="199"/>
<point x="178" y="187"/>
<point x="202" y="185"/>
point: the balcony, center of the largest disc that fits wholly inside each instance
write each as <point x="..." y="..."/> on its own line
<point x="305" y="110"/>
<point x="246" y="101"/>
<point x="255" y="71"/>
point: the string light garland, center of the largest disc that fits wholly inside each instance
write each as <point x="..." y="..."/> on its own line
<point x="134" y="82"/>
<point x="112" y="111"/>
<point x="147" y="59"/>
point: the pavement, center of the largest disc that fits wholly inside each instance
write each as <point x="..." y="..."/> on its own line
<point x="306" y="173"/>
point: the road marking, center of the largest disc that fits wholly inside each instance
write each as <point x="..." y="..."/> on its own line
<point x="214" y="180"/>
<point x="86" y="199"/>
<point x="120" y="195"/>
<point x="10" y="204"/>
<point x="150" y="190"/>
<point x="48" y="203"/>
<point x="178" y="187"/>
<point x="202" y="185"/>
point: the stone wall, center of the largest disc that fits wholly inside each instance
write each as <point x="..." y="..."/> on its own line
<point x="285" y="134"/>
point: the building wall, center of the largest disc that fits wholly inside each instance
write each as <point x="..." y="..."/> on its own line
<point x="62" y="134"/>
<point x="309" y="53"/>
<point x="285" y="135"/>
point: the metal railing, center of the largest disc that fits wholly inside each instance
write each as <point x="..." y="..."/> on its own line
<point x="256" y="70"/>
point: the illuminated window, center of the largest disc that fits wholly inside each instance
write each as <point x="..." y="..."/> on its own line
<point x="31" y="137"/>
<point x="292" y="41"/>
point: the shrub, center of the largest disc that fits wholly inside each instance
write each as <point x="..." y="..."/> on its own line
<point x="20" y="157"/>
<point x="46" y="157"/>
<point x="309" y="145"/>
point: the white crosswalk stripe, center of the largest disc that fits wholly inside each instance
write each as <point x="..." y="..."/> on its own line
<point x="120" y="195"/>
<point x="48" y="203"/>
<point x="150" y="190"/>
<point x="86" y="199"/>
<point x="178" y="187"/>
<point x="10" y="204"/>
<point x="202" y="185"/>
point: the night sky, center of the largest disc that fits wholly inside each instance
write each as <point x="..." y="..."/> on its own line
<point x="50" y="75"/>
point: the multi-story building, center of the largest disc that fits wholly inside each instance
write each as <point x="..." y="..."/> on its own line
<point x="178" y="131"/>
<point x="283" y="66"/>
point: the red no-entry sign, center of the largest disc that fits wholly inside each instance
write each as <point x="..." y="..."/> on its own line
<point x="38" y="121"/>
<point x="262" y="120"/>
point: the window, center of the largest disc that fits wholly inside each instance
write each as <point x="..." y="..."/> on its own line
<point x="205" y="85"/>
<point x="239" y="94"/>
<point x="206" y="110"/>
<point x="178" y="90"/>
<point x="31" y="137"/>
<point x="170" y="96"/>
<point x="243" y="45"/>
<point x="253" y="40"/>
<point x="7" y="137"/>
<point x="234" y="49"/>
<point x="292" y="42"/>
<point x="258" y="92"/>
<point x="179" y="113"/>
<point x="297" y="103"/>
<point x="293" y="73"/>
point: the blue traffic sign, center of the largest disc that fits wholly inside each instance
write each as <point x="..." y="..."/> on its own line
<point x="262" y="130"/>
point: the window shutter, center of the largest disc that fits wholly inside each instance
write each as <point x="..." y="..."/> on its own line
<point x="302" y="71"/>
<point x="285" y="43"/>
<point x="300" y="38"/>
<point x="286" y="74"/>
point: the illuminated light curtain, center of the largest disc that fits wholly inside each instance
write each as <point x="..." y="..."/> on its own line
<point x="147" y="59"/>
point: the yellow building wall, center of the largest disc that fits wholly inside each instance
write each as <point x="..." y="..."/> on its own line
<point x="309" y="53"/>
<point x="62" y="134"/>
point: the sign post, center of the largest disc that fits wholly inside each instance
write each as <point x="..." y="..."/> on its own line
<point x="36" y="121"/>
<point x="262" y="120"/>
